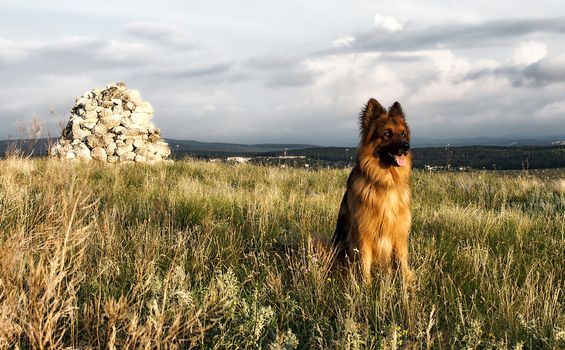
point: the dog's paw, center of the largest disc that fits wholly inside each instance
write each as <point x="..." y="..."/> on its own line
<point x="408" y="279"/>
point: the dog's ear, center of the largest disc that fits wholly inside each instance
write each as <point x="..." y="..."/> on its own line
<point x="396" y="110"/>
<point x="372" y="110"/>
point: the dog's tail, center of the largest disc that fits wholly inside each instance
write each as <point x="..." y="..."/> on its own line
<point x="321" y="243"/>
<point x="339" y="238"/>
<point x="332" y="253"/>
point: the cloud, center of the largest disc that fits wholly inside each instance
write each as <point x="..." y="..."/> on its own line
<point x="552" y="110"/>
<point x="278" y="71"/>
<point x="160" y="33"/>
<point x="529" y="52"/>
<point x="547" y="71"/>
<point x="348" y="81"/>
<point x="539" y="73"/>
<point x="72" y="55"/>
<point x="187" y="72"/>
<point x="12" y="51"/>
<point x="387" y="23"/>
<point x="344" y="41"/>
<point x="231" y="74"/>
<point x="291" y="78"/>
<point x="447" y="83"/>
<point x="269" y="63"/>
<point x="449" y="35"/>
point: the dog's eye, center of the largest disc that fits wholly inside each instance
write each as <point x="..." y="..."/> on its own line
<point x="388" y="133"/>
<point x="404" y="134"/>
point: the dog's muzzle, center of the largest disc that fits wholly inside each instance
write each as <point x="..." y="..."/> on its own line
<point x="404" y="146"/>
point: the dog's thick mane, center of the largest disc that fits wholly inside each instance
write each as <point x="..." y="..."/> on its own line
<point x="379" y="174"/>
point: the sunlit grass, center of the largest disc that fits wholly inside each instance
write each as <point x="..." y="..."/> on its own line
<point x="219" y="256"/>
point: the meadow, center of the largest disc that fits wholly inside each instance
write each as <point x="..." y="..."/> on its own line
<point x="214" y="256"/>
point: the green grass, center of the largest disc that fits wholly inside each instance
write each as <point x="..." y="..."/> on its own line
<point x="209" y="255"/>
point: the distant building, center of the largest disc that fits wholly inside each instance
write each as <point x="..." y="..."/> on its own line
<point x="558" y="143"/>
<point x="238" y="159"/>
<point x="291" y="157"/>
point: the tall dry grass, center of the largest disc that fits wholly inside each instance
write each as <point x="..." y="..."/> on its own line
<point x="210" y="255"/>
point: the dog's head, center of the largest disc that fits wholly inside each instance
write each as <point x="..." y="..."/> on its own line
<point x="385" y="134"/>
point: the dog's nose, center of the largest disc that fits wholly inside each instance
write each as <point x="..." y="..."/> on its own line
<point x="405" y="146"/>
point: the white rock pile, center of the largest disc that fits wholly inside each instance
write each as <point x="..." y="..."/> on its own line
<point x="111" y="125"/>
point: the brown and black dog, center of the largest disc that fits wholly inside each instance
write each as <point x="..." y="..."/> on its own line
<point x="374" y="217"/>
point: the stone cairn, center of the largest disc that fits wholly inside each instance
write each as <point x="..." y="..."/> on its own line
<point x="111" y="125"/>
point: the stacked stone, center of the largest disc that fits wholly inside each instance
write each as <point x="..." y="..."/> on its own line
<point x="111" y="125"/>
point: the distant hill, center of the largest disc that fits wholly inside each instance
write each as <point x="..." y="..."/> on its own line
<point x="37" y="147"/>
<point x="476" y="157"/>
<point x="419" y="142"/>
<point x="492" y="157"/>
<point x="181" y="147"/>
<point x="212" y="148"/>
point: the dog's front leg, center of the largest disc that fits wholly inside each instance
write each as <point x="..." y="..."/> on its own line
<point x="402" y="258"/>
<point x="366" y="260"/>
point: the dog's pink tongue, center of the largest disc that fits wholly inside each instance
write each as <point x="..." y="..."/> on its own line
<point x="400" y="160"/>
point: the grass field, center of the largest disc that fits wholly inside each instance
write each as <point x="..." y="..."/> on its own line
<point x="214" y="256"/>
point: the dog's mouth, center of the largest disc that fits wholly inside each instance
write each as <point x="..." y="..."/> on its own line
<point x="395" y="160"/>
<point x="400" y="160"/>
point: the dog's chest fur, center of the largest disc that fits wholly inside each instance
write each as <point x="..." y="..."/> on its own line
<point x="378" y="209"/>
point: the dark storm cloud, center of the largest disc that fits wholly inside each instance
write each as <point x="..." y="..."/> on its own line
<point x="538" y="74"/>
<point x="450" y="36"/>
<point x="395" y="57"/>
<point x="77" y="55"/>
<point x="545" y="72"/>
<point x="269" y="63"/>
<point x="292" y="78"/>
<point x="280" y="71"/>
<point x="181" y="73"/>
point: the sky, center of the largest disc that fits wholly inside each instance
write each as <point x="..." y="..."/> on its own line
<point x="290" y="71"/>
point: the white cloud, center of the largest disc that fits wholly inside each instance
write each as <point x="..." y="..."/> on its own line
<point x="124" y="51"/>
<point x="449" y="84"/>
<point x="351" y="79"/>
<point x="387" y="23"/>
<point x="529" y="52"/>
<point x="11" y="51"/>
<point x="343" y="42"/>
<point x="555" y="109"/>
<point x="449" y="66"/>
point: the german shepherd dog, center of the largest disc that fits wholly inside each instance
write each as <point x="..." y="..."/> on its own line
<point x="374" y="216"/>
